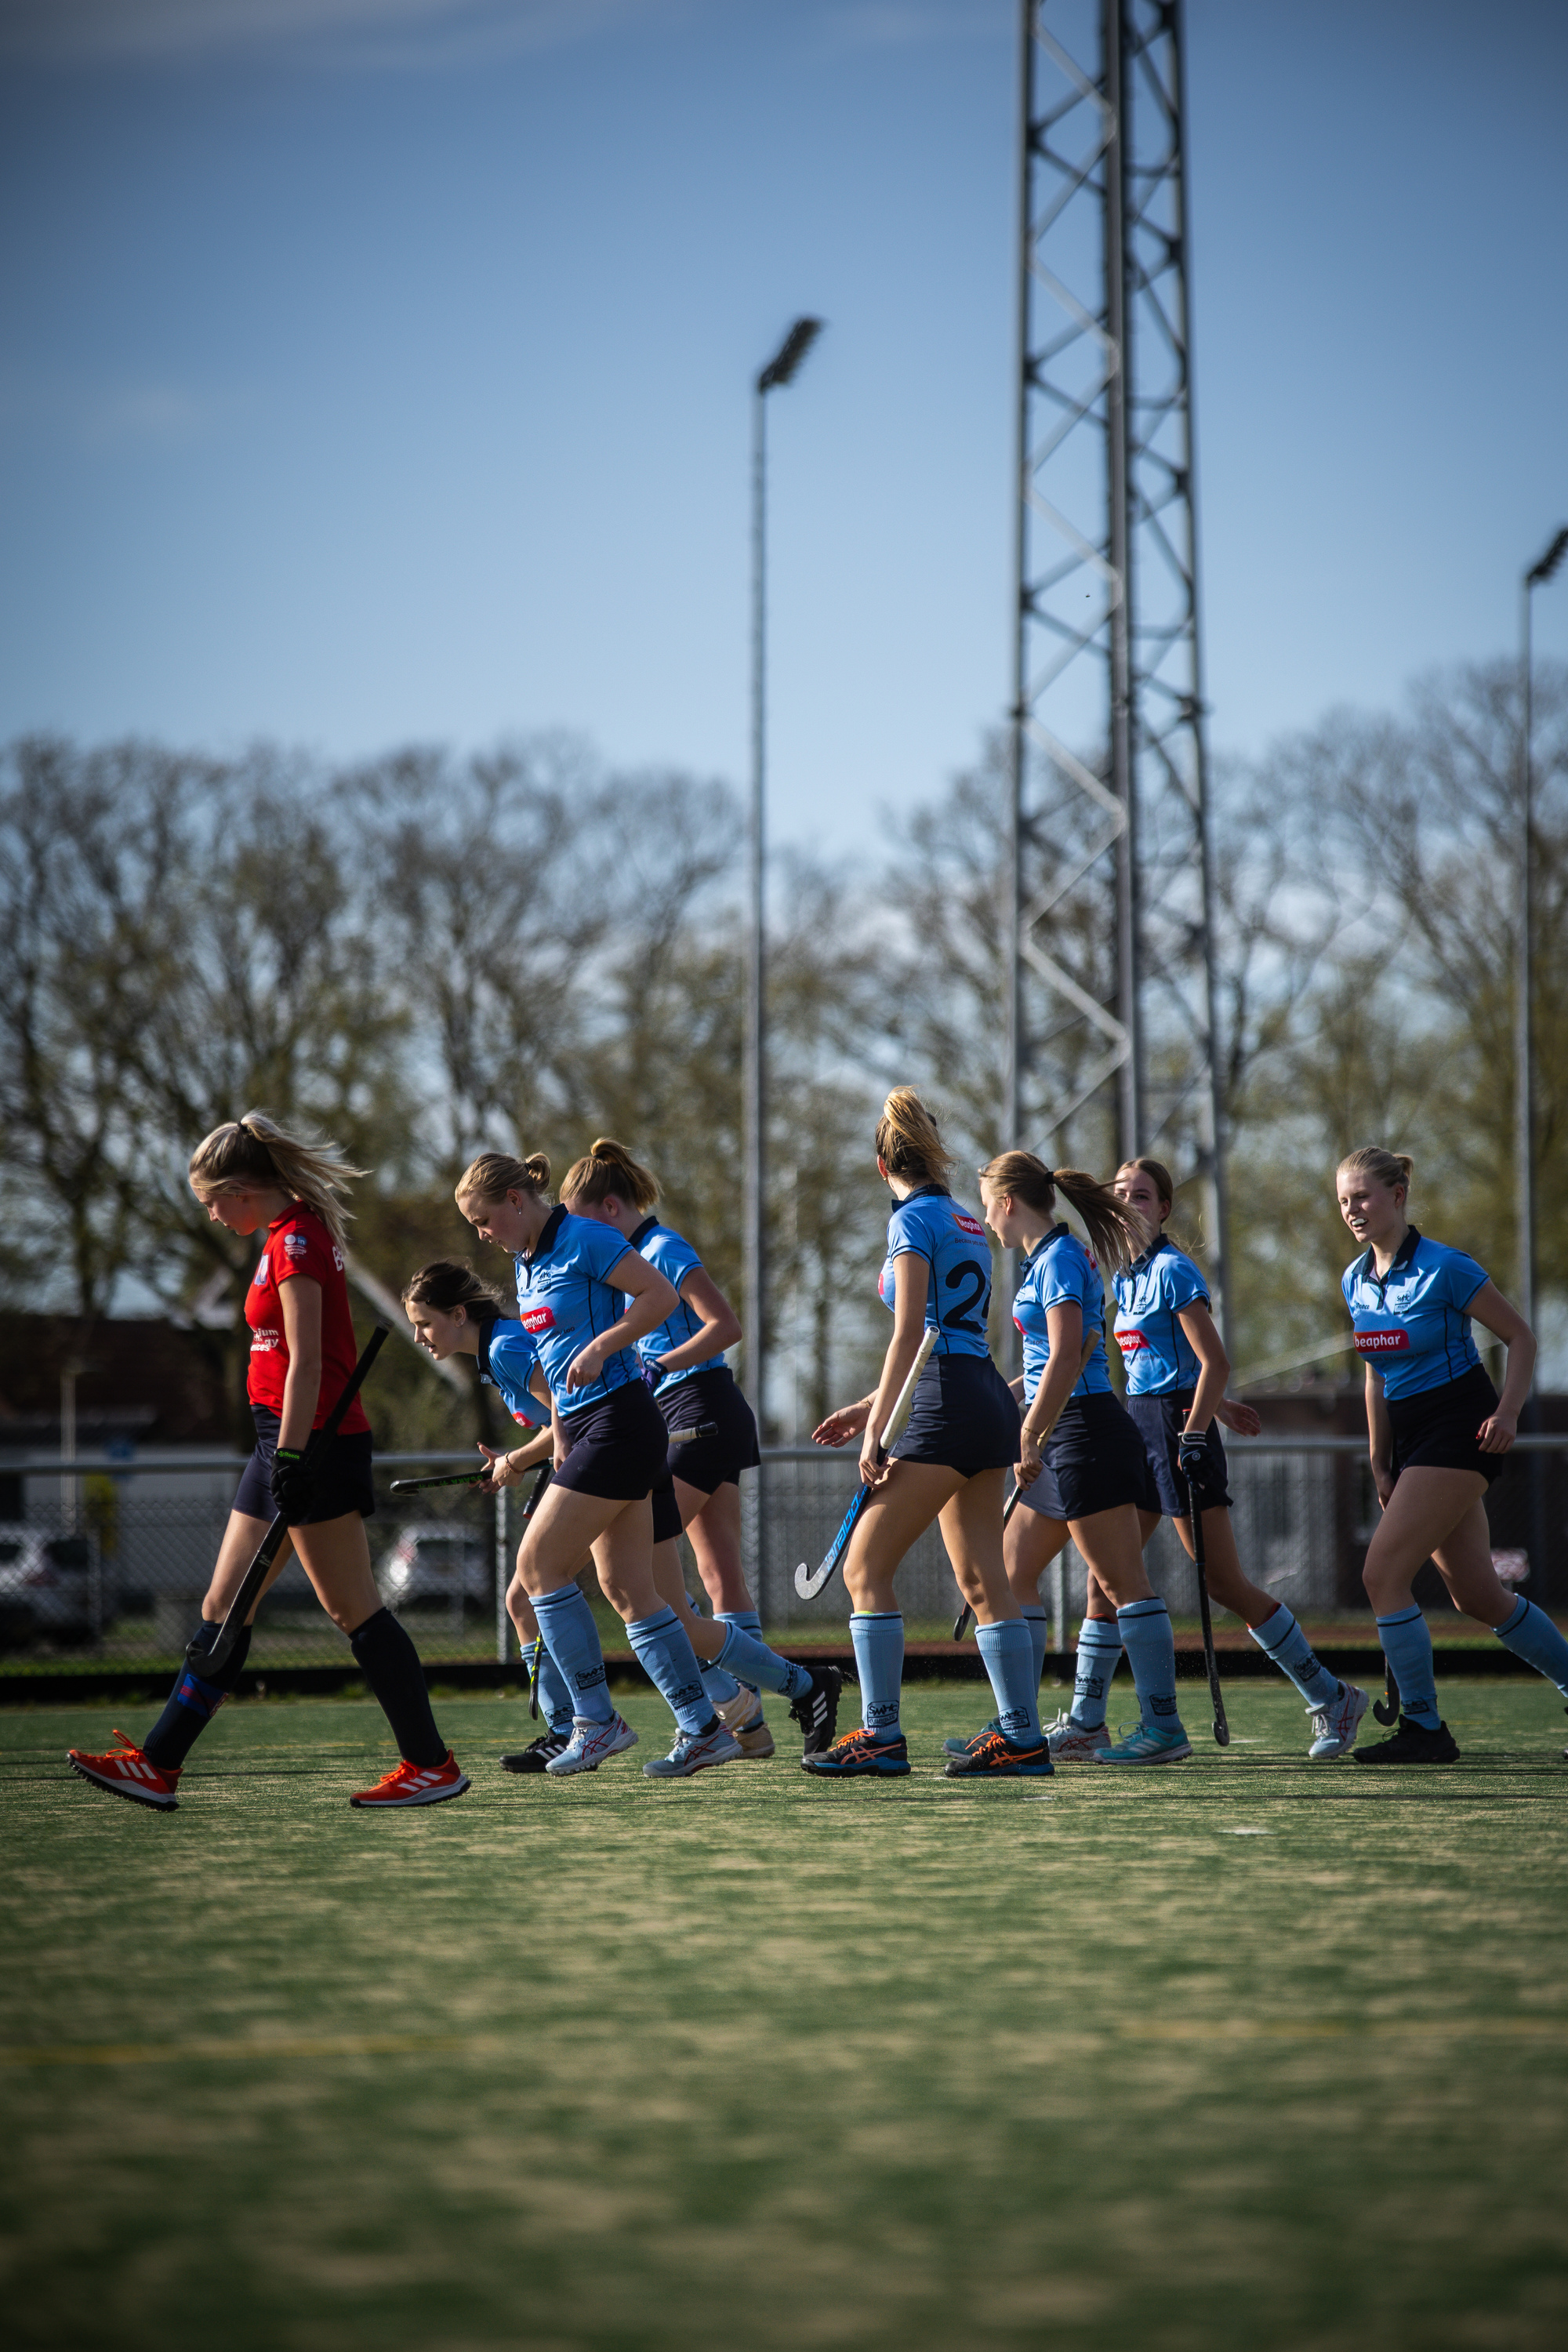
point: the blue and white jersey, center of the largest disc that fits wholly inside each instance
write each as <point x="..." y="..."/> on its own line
<point x="672" y="1254"/>
<point x="1411" y="1322"/>
<point x="1160" y="1358"/>
<point x="564" y="1299"/>
<point x="507" y="1358"/>
<point x="931" y="1224"/>
<point x="1060" y="1272"/>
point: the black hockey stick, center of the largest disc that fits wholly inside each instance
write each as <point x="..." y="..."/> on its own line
<point x="546" y="1472"/>
<point x="1386" y="1708"/>
<point x="209" y="1661"/>
<point x="960" y="1623"/>
<point x="477" y="1478"/>
<point x="809" y="1581"/>
<point x="1195" y="1520"/>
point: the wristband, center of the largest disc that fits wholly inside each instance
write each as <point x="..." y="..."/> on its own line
<point x="287" y="1454"/>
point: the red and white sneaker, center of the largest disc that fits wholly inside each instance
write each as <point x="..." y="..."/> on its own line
<point x="126" y="1773"/>
<point x="415" y="1784"/>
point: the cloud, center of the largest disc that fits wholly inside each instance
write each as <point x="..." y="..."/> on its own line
<point x="375" y="32"/>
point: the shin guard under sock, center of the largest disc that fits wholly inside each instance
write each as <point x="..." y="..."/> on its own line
<point x="390" y="1663"/>
<point x="1035" y="1618"/>
<point x="1531" y="1634"/>
<point x="1281" y="1639"/>
<point x="666" y="1655"/>
<point x="877" y="1635"/>
<point x="717" y="1681"/>
<point x="192" y="1703"/>
<point x="1408" y="1646"/>
<point x="1098" y="1649"/>
<point x="1150" y="1650"/>
<point x="1008" y="1657"/>
<point x="744" y="1655"/>
<point x="572" y="1638"/>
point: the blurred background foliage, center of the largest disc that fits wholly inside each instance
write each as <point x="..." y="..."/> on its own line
<point x="426" y="956"/>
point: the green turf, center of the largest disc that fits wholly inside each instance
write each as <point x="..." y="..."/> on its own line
<point x="1246" y="2054"/>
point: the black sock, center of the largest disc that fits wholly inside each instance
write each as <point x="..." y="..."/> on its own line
<point x="192" y="1703"/>
<point x="393" y="1670"/>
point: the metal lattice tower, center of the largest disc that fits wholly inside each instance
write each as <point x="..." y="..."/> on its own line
<point x="1112" y="1018"/>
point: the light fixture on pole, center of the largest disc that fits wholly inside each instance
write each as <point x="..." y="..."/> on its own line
<point x="780" y="370"/>
<point x="1523" y="973"/>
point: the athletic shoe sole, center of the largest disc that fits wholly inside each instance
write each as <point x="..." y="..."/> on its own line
<point x="561" y="1768"/>
<point x="725" y="1748"/>
<point x="1166" y="1756"/>
<point x="891" y="1768"/>
<point x="1014" y="1767"/>
<point x="368" y="1804"/>
<point x="154" y="1803"/>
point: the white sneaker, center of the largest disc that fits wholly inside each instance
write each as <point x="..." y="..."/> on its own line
<point x="692" y="1750"/>
<point x="1334" y="1725"/>
<point x="590" y="1744"/>
<point x="1069" y="1743"/>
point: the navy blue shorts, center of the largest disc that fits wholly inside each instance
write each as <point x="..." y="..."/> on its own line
<point x="343" y="1482"/>
<point x="1095" y="1462"/>
<point x="616" y="1448"/>
<point x="1435" y="1428"/>
<point x="964" y="1418"/>
<point x="711" y="1396"/>
<point x="1160" y="1421"/>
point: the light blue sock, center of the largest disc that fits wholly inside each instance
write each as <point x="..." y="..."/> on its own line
<point x="1408" y="1646"/>
<point x="1151" y="1653"/>
<point x="719" y="1687"/>
<point x="572" y="1639"/>
<point x="1280" y="1638"/>
<point x="665" y="1652"/>
<point x="1009" y="1656"/>
<point x="747" y="1620"/>
<point x="549" y="1689"/>
<point x="1531" y="1634"/>
<point x="1036" y="1621"/>
<point x="877" y="1635"/>
<point x="1099" y="1648"/>
<point x="744" y="1655"/>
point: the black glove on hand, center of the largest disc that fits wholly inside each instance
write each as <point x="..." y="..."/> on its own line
<point x="1193" y="1453"/>
<point x="292" y="1486"/>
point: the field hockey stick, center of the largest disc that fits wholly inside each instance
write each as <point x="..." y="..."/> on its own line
<point x="1386" y="1708"/>
<point x="960" y="1623"/>
<point x="207" y="1662"/>
<point x="808" y="1582"/>
<point x="1195" y="1520"/>
<point x="475" y="1477"/>
<point x="546" y="1472"/>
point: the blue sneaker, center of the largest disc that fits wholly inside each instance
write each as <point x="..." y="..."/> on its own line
<point x="590" y="1744"/>
<point x="693" y="1752"/>
<point x="967" y="1746"/>
<point x="1146" y="1747"/>
<point x="858" y="1753"/>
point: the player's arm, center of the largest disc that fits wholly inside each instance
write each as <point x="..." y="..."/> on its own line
<point x="300" y="1299"/>
<point x="653" y="1302"/>
<point x="720" y="1324"/>
<point x="1064" y="1370"/>
<point x="1213" y="1365"/>
<point x="510" y="1464"/>
<point x="1506" y="1323"/>
<point x="1380" y="1435"/>
<point x="912" y="1280"/>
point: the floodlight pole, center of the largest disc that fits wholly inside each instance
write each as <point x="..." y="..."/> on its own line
<point x="780" y="370"/>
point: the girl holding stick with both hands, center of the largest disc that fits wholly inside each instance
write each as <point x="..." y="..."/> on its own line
<point x="1439" y="1434"/>
<point x="950" y="1466"/>
<point x="251" y="1177"/>
<point x="610" y="1449"/>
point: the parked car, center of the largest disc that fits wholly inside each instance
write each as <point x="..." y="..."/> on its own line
<point x="50" y="1587"/>
<point x="438" y="1563"/>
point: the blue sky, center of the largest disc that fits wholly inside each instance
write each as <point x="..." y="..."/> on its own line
<point x="377" y="369"/>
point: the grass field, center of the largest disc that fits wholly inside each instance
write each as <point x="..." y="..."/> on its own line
<point x="1246" y="2054"/>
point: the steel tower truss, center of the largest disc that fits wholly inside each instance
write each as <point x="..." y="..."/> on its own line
<point x="1112" y="1022"/>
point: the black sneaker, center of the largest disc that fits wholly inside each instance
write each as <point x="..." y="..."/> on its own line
<point x="817" y="1710"/>
<point x="537" y="1755"/>
<point x="1412" y="1743"/>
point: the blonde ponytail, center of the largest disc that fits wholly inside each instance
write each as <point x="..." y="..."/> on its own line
<point x="255" y="1151"/>
<point x="494" y="1174"/>
<point x="1115" y="1232"/>
<point x="1389" y="1168"/>
<point x="908" y="1141"/>
<point x="608" y="1167"/>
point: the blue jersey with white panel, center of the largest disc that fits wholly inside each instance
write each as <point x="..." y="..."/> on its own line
<point x="672" y="1254"/>
<point x="508" y="1360"/>
<point x="1059" y="1271"/>
<point x="931" y="1224"/>
<point x="1160" y="1358"/>
<point x="1411" y="1322"/>
<point x="564" y="1299"/>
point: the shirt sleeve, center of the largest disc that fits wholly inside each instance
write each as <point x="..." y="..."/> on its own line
<point x="1463" y="1278"/>
<point x="673" y="1256"/>
<point x="601" y="1247"/>
<point x="513" y="1358"/>
<point x="905" y="1233"/>
<point x="301" y="1247"/>
<point x="1181" y="1282"/>
<point x="1063" y="1278"/>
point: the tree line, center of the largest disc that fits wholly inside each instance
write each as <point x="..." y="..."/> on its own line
<point x="428" y="956"/>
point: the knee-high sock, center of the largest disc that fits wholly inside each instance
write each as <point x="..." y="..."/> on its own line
<point x="192" y="1703"/>
<point x="717" y="1681"/>
<point x="1099" y="1648"/>
<point x="572" y="1639"/>
<point x="1531" y="1634"/>
<point x="1009" y="1656"/>
<point x="877" y="1635"/>
<point x="1038" y="1624"/>
<point x="750" y="1657"/>
<point x="1408" y="1646"/>
<point x="391" y="1665"/>
<point x="663" y="1649"/>
<point x="1281" y="1639"/>
<point x="748" y="1619"/>
<point x="1151" y="1653"/>
<point x="549" y="1687"/>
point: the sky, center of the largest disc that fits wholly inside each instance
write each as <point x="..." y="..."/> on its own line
<point x="378" y="370"/>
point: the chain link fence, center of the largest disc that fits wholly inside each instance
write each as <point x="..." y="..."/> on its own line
<point x="106" y="1561"/>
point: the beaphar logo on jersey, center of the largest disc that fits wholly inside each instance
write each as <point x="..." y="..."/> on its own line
<point x="1133" y="1342"/>
<point x="1382" y="1343"/>
<point x="537" y="1319"/>
<point x="968" y="1224"/>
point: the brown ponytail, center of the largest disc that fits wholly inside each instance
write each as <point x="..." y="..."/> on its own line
<point x="494" y="1174"/>
<point x="908" y="1141"/>
<point x="609" y="1168"/>
<point x="255" y="1151"/>
<point x="447" y="1283"/>
<point x="1115" y="1232"/>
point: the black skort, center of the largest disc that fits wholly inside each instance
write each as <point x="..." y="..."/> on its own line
<point x="711" y="1396"/>
<point x="344" y="1481"/>
<point x="1435" y="1428"/>
<point x="616" y="1448"/>
<point x="1160" y="1421"/>
<point x="964" y="1418"/>
<point x="1096" y="1461"/>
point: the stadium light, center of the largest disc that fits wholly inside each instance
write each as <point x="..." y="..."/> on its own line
<point x="781" y="370"/>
